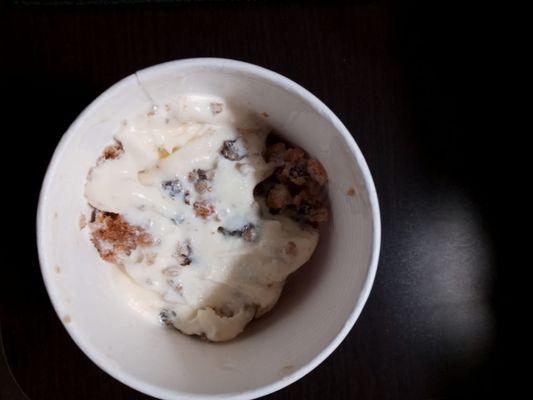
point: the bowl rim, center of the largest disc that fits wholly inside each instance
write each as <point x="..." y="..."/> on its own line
<point x="286" y="84"/>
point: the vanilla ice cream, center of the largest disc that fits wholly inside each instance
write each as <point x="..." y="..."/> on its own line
<point x="178" y="190"/>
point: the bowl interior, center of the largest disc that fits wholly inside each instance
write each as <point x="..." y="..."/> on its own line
<point x="318" y="301"/>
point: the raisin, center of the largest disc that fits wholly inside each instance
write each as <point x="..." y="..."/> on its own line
<point x="198" y="175"/>
<point x="202" y="174"/>
<point x="224" y="231"/>
<point x="248" y="232"/>
<point x="297" y="175"/>
<point x="183" y="253"/>
<point x="304" y="208"/>
<point x="167" y="316"/>
<point x="172" y="187"/>
<point x="185" y="261"/>
<point x="233" y="150"/>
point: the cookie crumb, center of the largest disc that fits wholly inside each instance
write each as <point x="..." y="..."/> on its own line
<point x="298" y="185"/>
<point x="83" y="221"/>
<point x="278" y="197"/>
<point x="317" y="172"/>
<point x="111" y="152"/>
<point x="57" y="269"/>
<point x="350" y="192"/>
<point x="264" y="114"/>
<point x="114" y="238"/>
<point x="203" y="209"/>
<point x="66" y="319"/>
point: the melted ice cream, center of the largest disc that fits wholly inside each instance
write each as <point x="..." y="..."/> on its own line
<point x="187" y="176"/>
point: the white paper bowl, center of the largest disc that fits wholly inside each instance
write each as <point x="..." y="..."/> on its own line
<point x="321" y="302"/>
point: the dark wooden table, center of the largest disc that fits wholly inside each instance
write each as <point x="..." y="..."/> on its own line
<point x="413" y="84"/>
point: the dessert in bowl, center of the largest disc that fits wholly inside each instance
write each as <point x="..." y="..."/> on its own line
<point x="112" y="311"/>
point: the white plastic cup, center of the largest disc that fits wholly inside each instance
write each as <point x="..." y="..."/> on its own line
<point x="321" y="301"/>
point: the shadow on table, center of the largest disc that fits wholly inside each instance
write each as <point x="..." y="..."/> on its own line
<point x="467" y="254"/>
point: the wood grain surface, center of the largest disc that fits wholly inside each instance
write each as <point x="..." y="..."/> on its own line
<point x="409" y="81"/>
